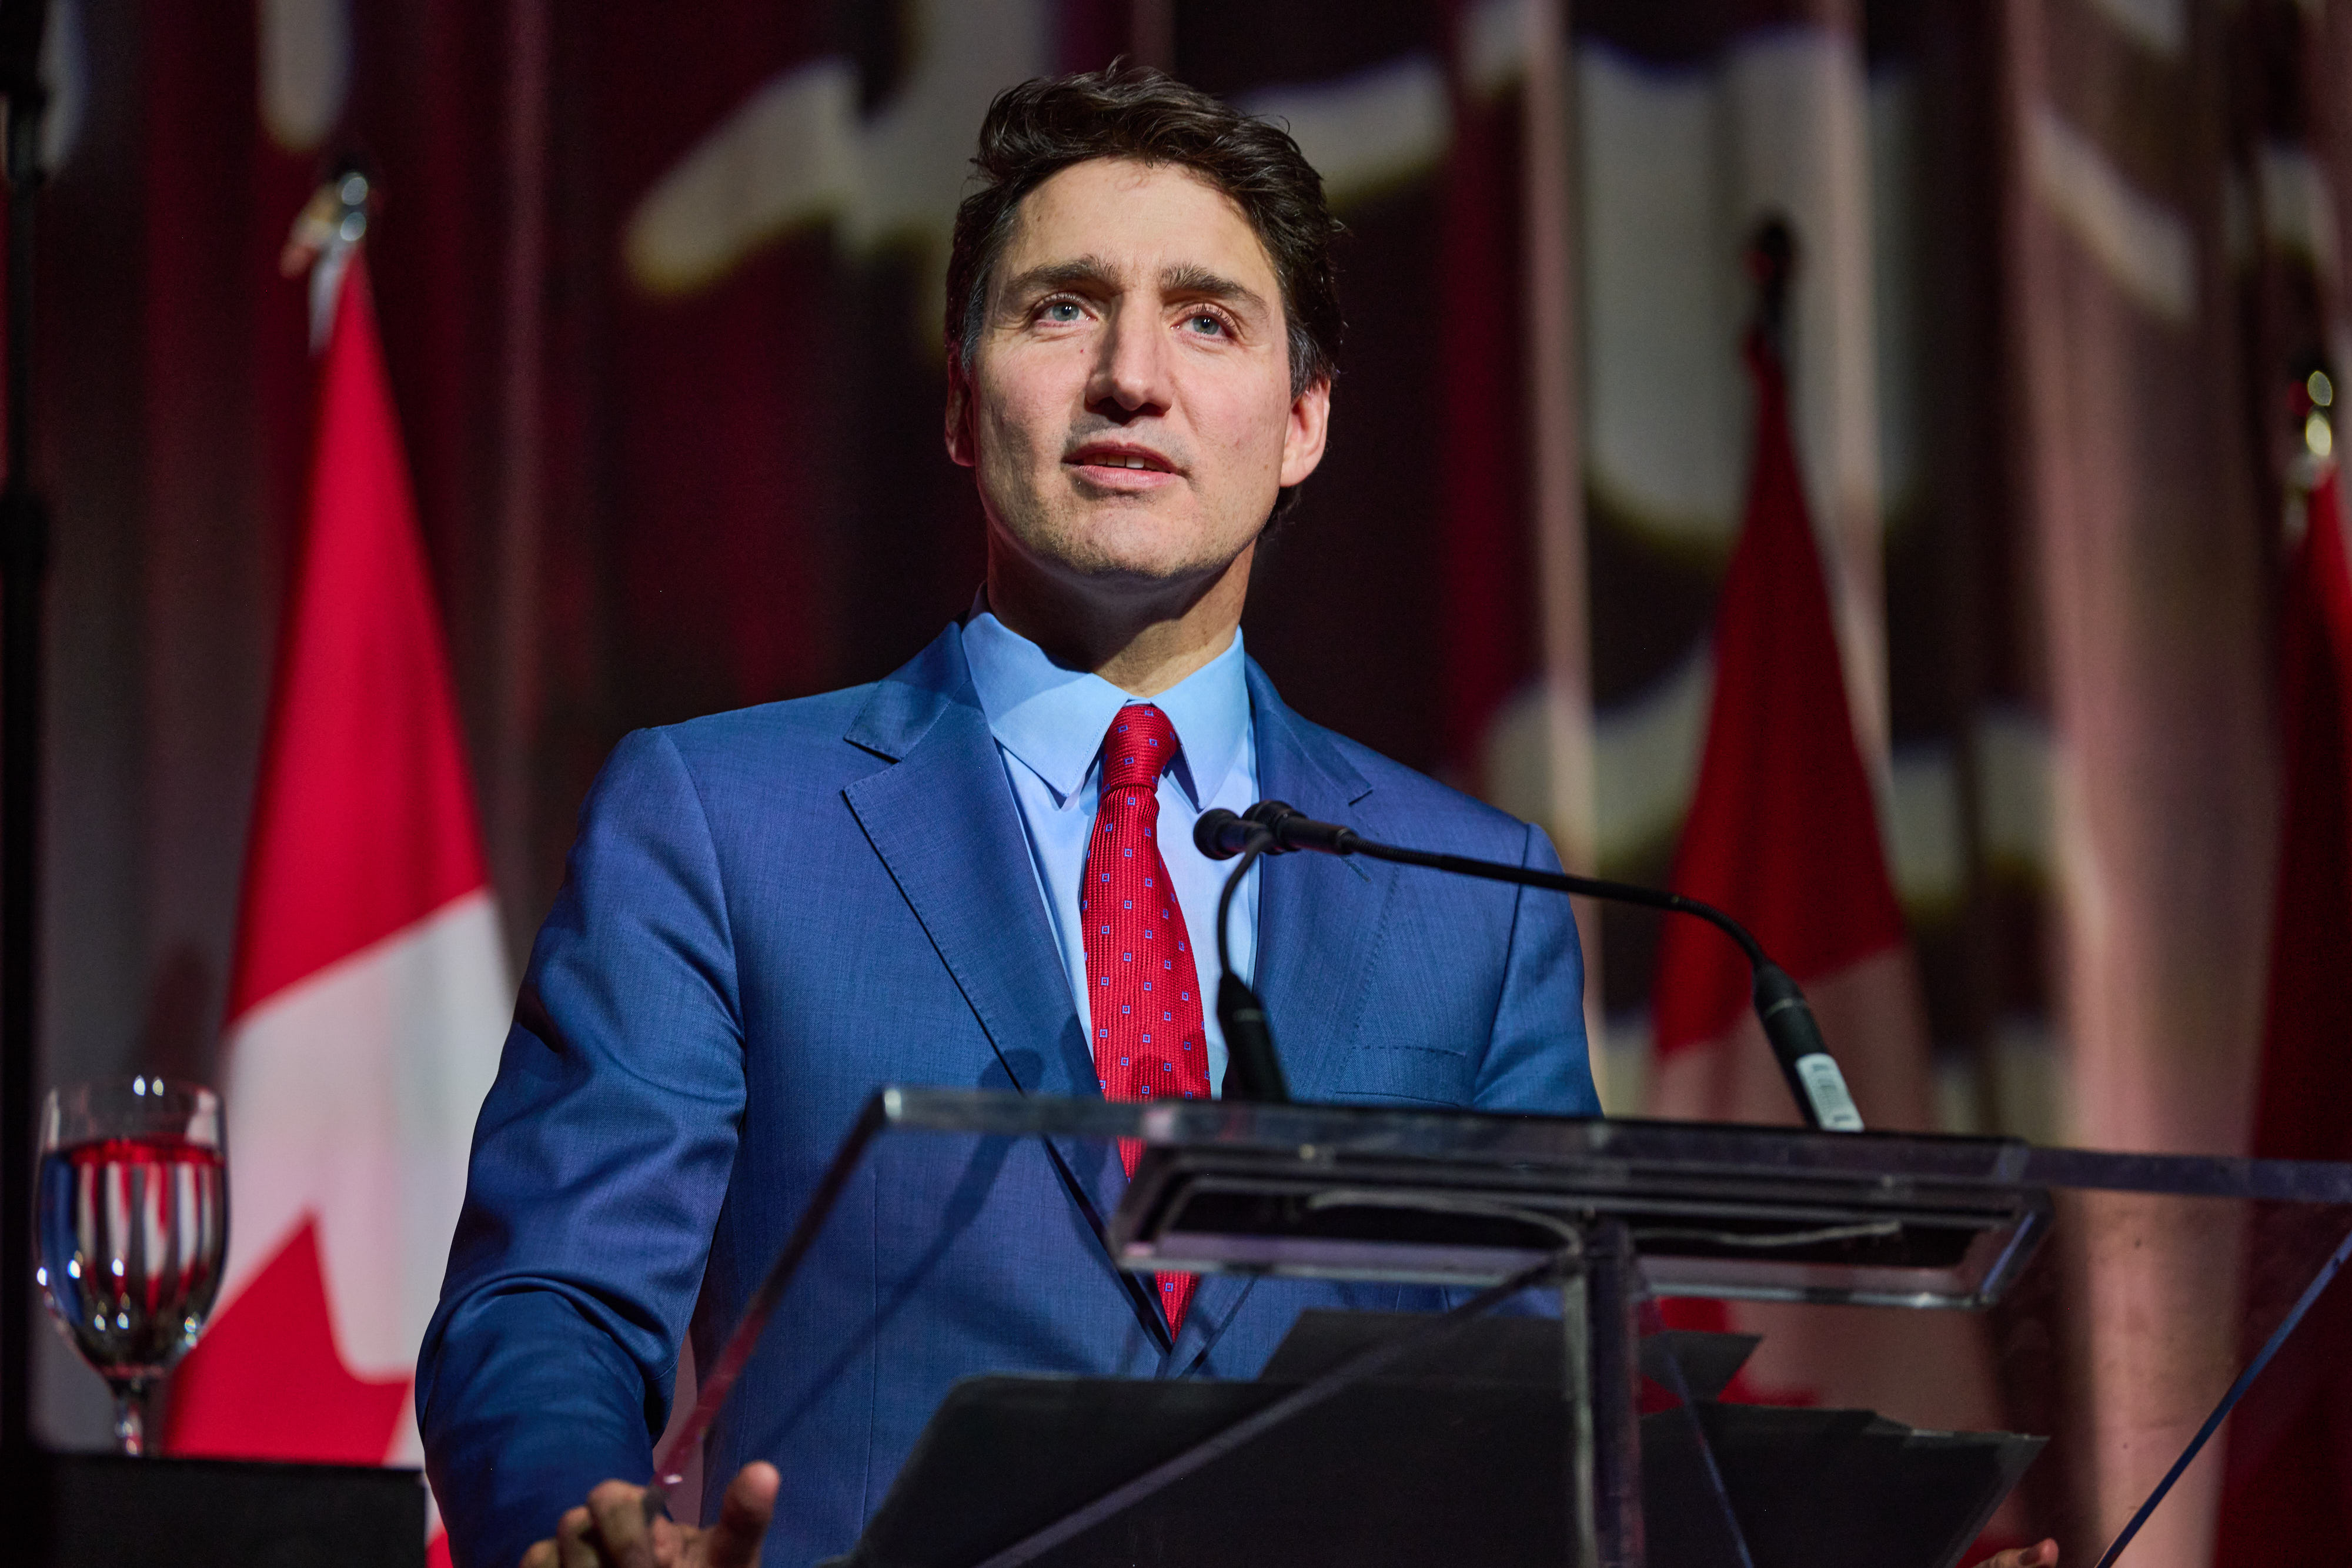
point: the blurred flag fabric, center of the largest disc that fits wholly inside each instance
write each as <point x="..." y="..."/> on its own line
<point x="2288" y="1475"/>
<point x="1783" y="833"/>
<point x="369" y="995"/>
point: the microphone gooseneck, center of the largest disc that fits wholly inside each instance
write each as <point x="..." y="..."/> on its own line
<point x="1253" y="1071"/>
<point x="1811" y="1071"/>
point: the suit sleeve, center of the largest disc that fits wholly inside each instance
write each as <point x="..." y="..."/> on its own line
<point x="1537" y="1059"/>
<point x="599" y="1165"/>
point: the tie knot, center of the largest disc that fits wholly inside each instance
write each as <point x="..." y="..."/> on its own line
<point x="1139" y="744"/>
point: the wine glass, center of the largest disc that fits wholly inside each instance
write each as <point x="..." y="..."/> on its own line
<point x="134" y="1214"/>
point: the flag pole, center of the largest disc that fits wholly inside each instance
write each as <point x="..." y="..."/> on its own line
<point x="24" y="563"/>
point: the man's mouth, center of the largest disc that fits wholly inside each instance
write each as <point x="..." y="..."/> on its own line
<point x="1113" y="465"/>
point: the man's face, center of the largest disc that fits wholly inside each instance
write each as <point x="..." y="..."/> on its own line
<point x="1128" y="408"/>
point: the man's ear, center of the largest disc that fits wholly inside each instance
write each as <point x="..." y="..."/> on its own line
<point x="961" y="449"/>
<point x="1302" y="437"/>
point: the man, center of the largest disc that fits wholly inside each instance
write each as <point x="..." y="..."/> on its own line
<point x="767" y="914"/>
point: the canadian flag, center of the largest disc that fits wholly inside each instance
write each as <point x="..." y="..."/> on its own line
<point x="1783" y="833"/>
<point x="370" y="992"/>
<point x="2286" y="1488"/>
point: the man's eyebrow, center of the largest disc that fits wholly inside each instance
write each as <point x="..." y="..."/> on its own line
<point x="1200" y="283"/>
<point x="1085" y="271"/>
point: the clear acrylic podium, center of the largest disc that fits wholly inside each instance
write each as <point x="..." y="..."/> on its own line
<point x="2179" y="1268"/>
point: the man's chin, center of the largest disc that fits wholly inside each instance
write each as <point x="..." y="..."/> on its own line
<point x="1115" y="553"/>
<point x="1137" y="575"/>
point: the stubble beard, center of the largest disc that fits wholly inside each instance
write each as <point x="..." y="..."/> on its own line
<point x="1117" y="545"/>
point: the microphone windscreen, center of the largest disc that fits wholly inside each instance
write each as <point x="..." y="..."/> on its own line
<point x="1220" y="834"/>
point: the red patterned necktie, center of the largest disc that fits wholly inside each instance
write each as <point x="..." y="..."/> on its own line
<point x="1149" y="1042"/>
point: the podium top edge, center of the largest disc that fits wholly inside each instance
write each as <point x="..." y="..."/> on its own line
<point x="1485" y="1139"/>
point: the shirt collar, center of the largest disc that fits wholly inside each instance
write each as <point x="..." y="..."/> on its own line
<point x="1053" y="720"/>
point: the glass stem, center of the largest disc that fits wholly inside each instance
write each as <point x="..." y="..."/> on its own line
<point x="130" y="1419"/>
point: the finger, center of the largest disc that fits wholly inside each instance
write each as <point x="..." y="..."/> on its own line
<point x="673" y="1543"/>
<point x="620" y="1512"/>
<point x="572" y="1547"/>
<point x="540" y="1556"/>
<point x="2041" y="1554"/>
<point x="743" y="1516"/>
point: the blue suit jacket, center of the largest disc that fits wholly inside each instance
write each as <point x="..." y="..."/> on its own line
<point x="767" y="914"/>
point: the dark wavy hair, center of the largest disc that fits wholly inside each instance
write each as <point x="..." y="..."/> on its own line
<point x="1036" y="130"/>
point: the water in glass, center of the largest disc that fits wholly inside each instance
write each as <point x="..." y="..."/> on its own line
<point x="134" y="1217"/>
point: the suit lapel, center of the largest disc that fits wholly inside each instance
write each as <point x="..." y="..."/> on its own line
<point x="944" y="822"/>
<point x="1319" y="918"/>
<point x="1318" y="924"/>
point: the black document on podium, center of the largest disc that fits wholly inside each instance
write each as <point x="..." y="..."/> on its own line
<point x="1457" y="1455"/>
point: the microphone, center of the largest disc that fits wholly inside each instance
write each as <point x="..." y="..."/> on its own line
<point x="1253" y="1071"/>
<point x="1811" y="1071"/>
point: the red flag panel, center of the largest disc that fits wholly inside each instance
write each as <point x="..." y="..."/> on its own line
<point x="363" y="819"/>
<point x="2289" y="1467"/>
<point x="1783" y="828"/>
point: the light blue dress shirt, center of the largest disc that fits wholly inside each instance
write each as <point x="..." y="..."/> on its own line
<point x="1049" y="725"/>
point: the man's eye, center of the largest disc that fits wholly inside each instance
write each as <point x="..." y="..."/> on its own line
<point x="1205" y="323"/>
<point x="1060" y="311"/>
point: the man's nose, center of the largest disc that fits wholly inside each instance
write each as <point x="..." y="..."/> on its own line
<point x="1131" y="375"/>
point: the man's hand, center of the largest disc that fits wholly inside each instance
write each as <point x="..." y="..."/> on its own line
<point x="2041" y="1554"/>
<point x="612" y="1529"/>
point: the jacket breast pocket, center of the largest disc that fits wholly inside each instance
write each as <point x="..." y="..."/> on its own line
<point x="1407" y="1075"/>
